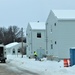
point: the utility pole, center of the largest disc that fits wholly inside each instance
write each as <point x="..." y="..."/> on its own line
<point x="22" y="40"/>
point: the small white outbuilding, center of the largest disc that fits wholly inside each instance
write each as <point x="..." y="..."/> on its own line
<point x="60" y="33"/>
<point x="14" y="48"/>
<point x="36" y="38"/>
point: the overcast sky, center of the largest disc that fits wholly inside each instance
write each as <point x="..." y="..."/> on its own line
<point x="20" y="12"/>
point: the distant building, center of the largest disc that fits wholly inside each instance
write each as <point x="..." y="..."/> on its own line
<point x="36" y="38"/>
<point x="14" y="48"/>
<point x="60" y="33"/>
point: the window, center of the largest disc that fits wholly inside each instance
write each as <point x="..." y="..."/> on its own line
<point x="54" y="24"/>
<point x="55" y="42"/>
<point x="51" y="46"/>
<point x="18" y="50"/>
<point x="13" y="51"/>
<point x="38" y="35"/>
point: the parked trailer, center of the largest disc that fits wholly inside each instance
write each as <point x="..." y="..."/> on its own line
<point x="2" y="53"/>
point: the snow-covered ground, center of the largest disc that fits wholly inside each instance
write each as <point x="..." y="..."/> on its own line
<point x="44" y="67"/>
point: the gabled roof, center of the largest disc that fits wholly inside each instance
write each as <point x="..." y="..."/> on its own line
<point x="11" y="44"/>
<point x="64" y="14"/>
<point x="37" y="25"/>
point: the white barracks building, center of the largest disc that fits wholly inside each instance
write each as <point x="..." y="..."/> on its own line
<point x="36" y="38"/>
<point x="60" y="33"/>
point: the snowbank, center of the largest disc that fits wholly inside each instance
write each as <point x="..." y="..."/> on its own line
<point x="44" y="67"/>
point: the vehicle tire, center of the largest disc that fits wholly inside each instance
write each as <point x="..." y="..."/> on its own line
<point x="3" y="61"/>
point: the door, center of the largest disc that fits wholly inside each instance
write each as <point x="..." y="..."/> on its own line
<point x="40" y="53"/>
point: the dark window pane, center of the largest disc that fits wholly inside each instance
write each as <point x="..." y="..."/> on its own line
<point x="54" y="24"/>
<point x="38" y="35"/>
<point x="51" y="46"/>
<point x="55" y="42"/>
<point x="13" y="51"/>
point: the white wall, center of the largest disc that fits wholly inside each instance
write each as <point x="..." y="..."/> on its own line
<point x="50" y="32"/>
<point x="33" y="42"/>
<point x="65" y="36"/>
<point x="28" y="39"/>
<point x="15" y="47"/>
<point x="38" y="43"/>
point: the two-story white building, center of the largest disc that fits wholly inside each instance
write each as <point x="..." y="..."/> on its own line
<point x="60" y="33"/>
<point x="36" y="38"/>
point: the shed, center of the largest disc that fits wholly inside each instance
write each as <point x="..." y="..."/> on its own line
<point x="14" y="48"/>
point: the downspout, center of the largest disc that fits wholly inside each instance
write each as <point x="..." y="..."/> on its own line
<point x="46" y="40"/>
<point x="31" y="43"/>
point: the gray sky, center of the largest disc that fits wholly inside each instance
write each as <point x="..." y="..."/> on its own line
<point x="20" y="12"/>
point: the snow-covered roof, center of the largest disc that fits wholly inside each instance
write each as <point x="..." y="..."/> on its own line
<point x="37" y="25"/>
<point x="72" y="48"/>
<point x="11" y="44"/>
<point x="64" y="14"/>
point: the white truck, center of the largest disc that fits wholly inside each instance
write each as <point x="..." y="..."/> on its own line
<point x="2" y="53"/>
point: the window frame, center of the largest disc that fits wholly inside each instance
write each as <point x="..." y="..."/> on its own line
<point x="38" y="35"/>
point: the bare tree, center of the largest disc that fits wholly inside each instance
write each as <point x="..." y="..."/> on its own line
<point x="10" y="34"/>
<point x="2" y="34"/>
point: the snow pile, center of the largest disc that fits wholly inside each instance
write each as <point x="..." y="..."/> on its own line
<point x="44" y="67"/>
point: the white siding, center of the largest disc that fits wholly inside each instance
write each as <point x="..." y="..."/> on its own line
<point x="33" y="42"/>
<point x="63" y="33"/>
<point x="49" y="32"/>
<point x="38" y="43"/>
<point x="65" y="36"/>
<point x="28" y="39"/>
